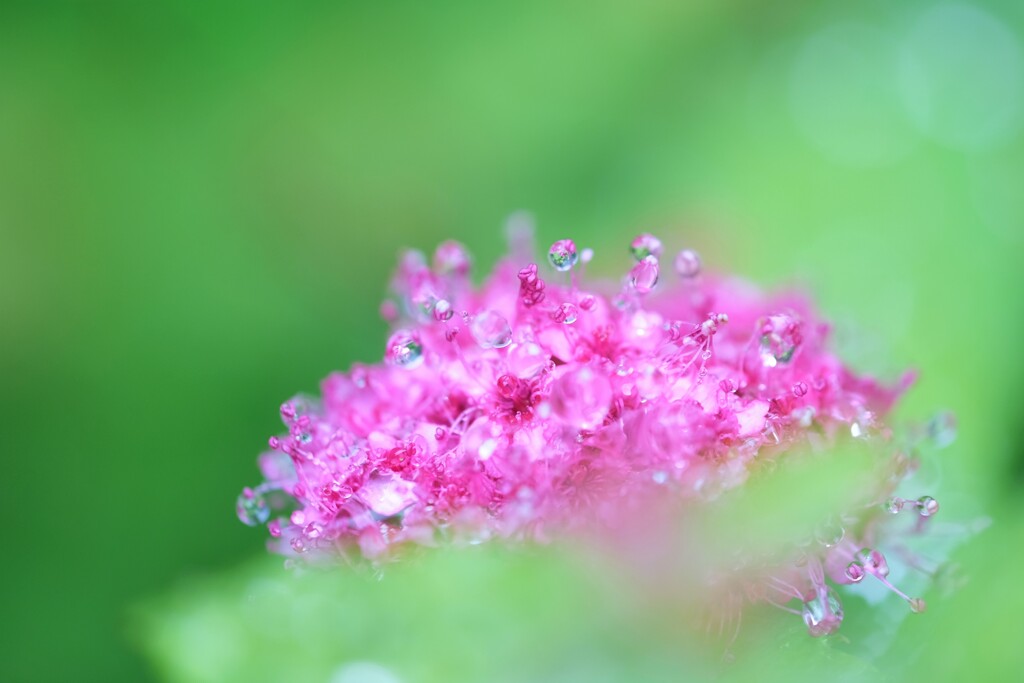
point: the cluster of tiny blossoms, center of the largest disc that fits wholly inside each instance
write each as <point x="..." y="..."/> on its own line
<point x="538" y="403"/>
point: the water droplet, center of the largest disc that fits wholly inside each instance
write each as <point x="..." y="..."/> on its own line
<point x="856" y="431"/>
<point x="874" y="561"/>
<point x="823" y="614"/>
<point x="404" y="350"/>
<point x="581" y="397"/>
<point x="942" y="429"/>
<point x="562" y="255"/>
<point x="644" y="275"/>
<point x="443" y="310"/>
<point x="386" y="495"/>
<point x="587" y="255"/>
<point x="927" y="506"/>
<point x="451" y="258"/>
<point x="799" y="389"/>
<point x="645" y="245"/>
<point x="894" y="506"/>
<point x="687" y="263"/>
<point x="830" y="533"/>
<point x="659" y="477"/>
<point x="422" y="301"/>
<point x="252" y="508"/>
<point x="780" y="337"/>
<point x="491" y="330"/>
<point x="855" y="572"/>
<point x="566" y="313"/>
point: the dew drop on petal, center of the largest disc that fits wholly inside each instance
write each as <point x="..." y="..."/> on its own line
<point x="687" y="263"/>
<point x="645" y="245"/>
<point x="562" y="255"/>
<point x="252" y="508"/>
<point x="386" y="495"/>
<point x="404" y="350"/>
<point x="644" y="275"/>
<point x="491" y="330"/>
<point x="566" y="313"/>
<point x="581" y="397"/>
<point x="780" y="336"/>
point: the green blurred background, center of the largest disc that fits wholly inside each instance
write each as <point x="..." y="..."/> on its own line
<point x="201" y="203"/>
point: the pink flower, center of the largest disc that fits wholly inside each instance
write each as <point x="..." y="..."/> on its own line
<point x="540" y="404"/>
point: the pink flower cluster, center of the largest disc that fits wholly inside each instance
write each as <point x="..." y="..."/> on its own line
<point x="539" y="402"/>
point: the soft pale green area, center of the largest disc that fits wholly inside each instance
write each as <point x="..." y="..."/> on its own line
<point x="201" y="202"/>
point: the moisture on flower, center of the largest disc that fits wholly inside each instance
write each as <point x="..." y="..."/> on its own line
<point x="541" y="402"/>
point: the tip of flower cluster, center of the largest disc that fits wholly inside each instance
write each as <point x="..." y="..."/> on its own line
<point x="522" y="407"/>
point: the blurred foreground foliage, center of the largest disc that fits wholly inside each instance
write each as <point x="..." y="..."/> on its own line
<point x="570" y="613"/>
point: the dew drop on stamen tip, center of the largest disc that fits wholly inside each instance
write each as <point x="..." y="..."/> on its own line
<point x="404" y="350"/>
<point x="823" y="615"/>
<point x="562" y="255"/>
<point x="452" y="258"/>
<point x="252" y="508"/>
<point x="645" y="245"/>
<point x="687" y="264"/>
<point x="644" y="275"/>
<point x="443" y="310"/>
<point x="927" y="506"/>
